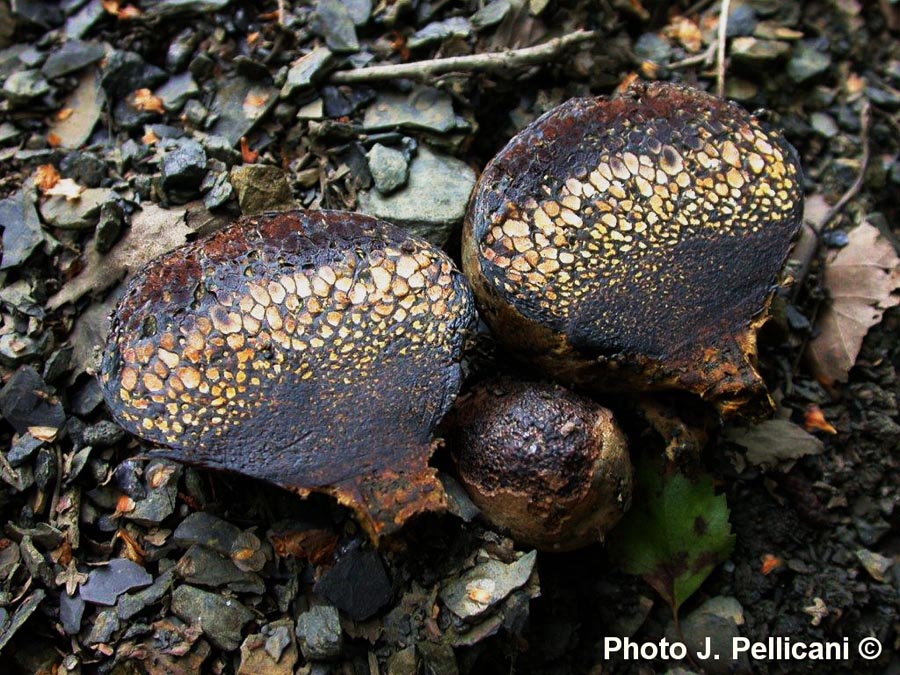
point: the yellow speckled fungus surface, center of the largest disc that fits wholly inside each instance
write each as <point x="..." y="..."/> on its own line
<point x="634" y="241"/>
<point x="316" y="350"/>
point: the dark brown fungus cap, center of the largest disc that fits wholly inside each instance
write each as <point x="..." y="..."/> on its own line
<point x="633" y="242"/>
<point x="315" y="350"/>
<point x="547" y="466"/>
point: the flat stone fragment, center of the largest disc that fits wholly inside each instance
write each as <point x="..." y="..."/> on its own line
<point x="20" y="616"/>
<point x="169" y="8"/>
<point x="21" y="229"/>
<point x="202" y="567"/>
<point x="71" y="609"/>
<point x="72" y="56"/>
<point x="434" y="200"/>
<point x="24" y="86"/>
<point x="86" y="103"/>
<point x="81" y="213"/>
<point x="221" y="619"/>
<point x="26" y="401"/>
<point x="177" y="90"/>
<point x="484" y="586"/>
<point x="240" y="104"/>
<point x="423" y="108"/>
<point x="752" y="52"/>
<point x="333" y="22"/>
<point x="102" y="628"/>
<point x="438" y="31"/>
<point x="106" y="584"/>
<point x="807" y="63"/>
<point x="305" y="71"/>
<point x="319" y="633"/>
<point x="358" y="584"/>
<point x="208" y="530"/>
<point x="130" y="604"/>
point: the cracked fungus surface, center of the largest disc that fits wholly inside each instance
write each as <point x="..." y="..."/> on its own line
<point x="304" y="348"/>
<point x="628" y="224"/>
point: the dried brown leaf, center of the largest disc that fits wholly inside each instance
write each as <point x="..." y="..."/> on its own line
<point x="863" y="279"/>
<point x="45" y="177"/>
<point x="154" y="231"/>
<point x="775" y="442"/>
<point x="144" y="99"/>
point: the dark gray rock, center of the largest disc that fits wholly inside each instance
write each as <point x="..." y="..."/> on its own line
<point x="182" y="169"/>
<point x="305" y="71"/>
<point x="24" y="86"/>
<point x="239" y="105"/>
<point x="358" y="584"/>
<point x="81" y="22"/>
<point x="208" y="530"/>
<point x="423" y="108"/>
<point x="200" y="566"/>
<point x="85" y="168"/>
<point x="25" y="401"/>
<point x="103" y="627"/>
<point x="181" y="49"/>
<point x="71" y="57"/>
<point x="319" y="633"/>
<point x="824" y="124"/>
<point x="807" y="63"/>
<point x="20" y="616"/>
<point x="742" y="20"/>
<point x="333" y="22"/>
<point x="490" y="15"/>
<point x="438" y="31"/>
<point x="754" y="53"/>
<point x="434" y="200"/>
<point x="109" y="225"/>
<point x="44" y="14"/>
<point x="126" y="72"/>
<point x="359" y="10"/>
<point x="76" y="214"/>
<point x="22" y="448"/>
<point x="217" y="189"/>
<point x="106" y="584"/>
<point x="161" y="478"/>
<point x="260" y="187"/>
<point x="71" y="609"/>
<point x="177" y="90"/>
<point x="22" y="231"/>
<point x="220" y="618"/>
<point x="388" y="168"/>
<point x="653" y="47"/>
<point x="16" y="349"/>
<point x="130" y="604"/>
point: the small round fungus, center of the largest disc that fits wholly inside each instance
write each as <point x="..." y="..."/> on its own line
<point x="547" y="466"/>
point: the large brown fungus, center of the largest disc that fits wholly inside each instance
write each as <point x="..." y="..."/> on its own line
<point x="633" y="242"/>
<point x="315" y="350"/>
<point x="547" y="466"/>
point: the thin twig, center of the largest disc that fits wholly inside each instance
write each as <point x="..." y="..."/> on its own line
<point x="491" y="62"/>
<point x="705" y="57"/>
<point x="720" y="52"/>
<point x="853" y="190"/>
<point x="805" y="257"/>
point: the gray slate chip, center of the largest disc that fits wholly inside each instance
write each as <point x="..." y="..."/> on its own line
<point x="305" y="71"/>
<point x="72" y="56"/>
<point x="106" y="584"/>
<point x="71" y="609"/>
<point x="240" y="104"/>
<point x="177" y="90"/>
<point x="76" y="214"/>
<point x="333" y="22"/>
<point x="494" y="579"/>
<point x="319" y="633"/>
<point x="208" y="530"/>
<point x="220" y="618"/>
<point x="388" y="168"/>
<point x="20" y="616"/>
<point x="21" y="229"/>
<point x="423" y="108"/>
<point x="25" y="401"/>
<point x="358" y="584"/>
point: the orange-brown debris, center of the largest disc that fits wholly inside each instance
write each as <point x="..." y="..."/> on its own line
<point x="316" y="350"/>
<point x="645" y="229"/>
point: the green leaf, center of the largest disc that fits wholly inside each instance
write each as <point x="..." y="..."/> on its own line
<point x="676" y="532"/>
